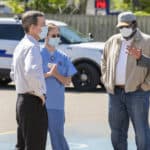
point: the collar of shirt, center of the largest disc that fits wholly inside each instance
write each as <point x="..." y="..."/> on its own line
<point x="126" y="41"/>
<point x="31" y="38"/>
<point x="51" y="54"/>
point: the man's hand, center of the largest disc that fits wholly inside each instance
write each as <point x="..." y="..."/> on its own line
<point x="135" y="52"/>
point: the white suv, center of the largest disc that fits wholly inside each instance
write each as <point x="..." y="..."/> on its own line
<point x="84" y="53"/>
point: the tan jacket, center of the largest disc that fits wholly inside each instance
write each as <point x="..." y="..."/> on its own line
<point x="136" y="76"/>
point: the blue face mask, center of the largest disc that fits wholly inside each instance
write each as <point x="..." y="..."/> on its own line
<point x="54" y="42"/>
<point x="44" y="32"/>
<point x="126" y="32"/>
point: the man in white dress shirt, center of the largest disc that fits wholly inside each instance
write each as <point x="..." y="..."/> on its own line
<point x="28" y="76"/>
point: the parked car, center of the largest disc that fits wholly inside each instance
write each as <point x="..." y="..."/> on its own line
<point x="84" y="53"/>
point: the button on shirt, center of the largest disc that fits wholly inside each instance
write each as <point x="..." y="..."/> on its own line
<point x="55" y="89"/>
<point x="121" y="65"/>
<point x="26" y="67"/>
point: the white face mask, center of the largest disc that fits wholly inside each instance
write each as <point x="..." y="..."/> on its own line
<point x="54" y="41"/>
<point x="126" y="32"/>
<point x="44" y="32"/>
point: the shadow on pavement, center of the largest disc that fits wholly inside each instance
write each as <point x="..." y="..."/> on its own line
<point x="97" y="90"/>
<point x="68" y="89"/>
<point x="7" y="87"/>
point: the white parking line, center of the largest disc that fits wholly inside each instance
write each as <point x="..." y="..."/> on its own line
<point x="77" y="146"/>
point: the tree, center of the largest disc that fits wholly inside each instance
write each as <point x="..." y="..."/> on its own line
<point x="49" y="6"/>
<point x="41" y="5"/>
<point x="76" y="6"/>
<point x="83" y="5"/>
<point x="16" y="6"/>
<point x="139" y="7"/>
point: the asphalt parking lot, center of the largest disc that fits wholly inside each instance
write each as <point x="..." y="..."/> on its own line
<point x="86" y="126"/>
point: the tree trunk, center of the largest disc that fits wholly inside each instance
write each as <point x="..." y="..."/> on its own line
<point x="83" y="5"/>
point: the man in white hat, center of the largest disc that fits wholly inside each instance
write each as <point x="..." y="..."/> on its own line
<point x="127" y="84"/>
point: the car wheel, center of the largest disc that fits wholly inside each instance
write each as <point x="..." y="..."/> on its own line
<point x="87" y="77"/>
<point x="4" y="81"/>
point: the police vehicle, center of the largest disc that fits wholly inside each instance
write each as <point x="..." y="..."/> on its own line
<point x="84" y="53"/>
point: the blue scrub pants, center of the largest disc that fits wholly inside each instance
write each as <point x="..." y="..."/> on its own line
<point x="56" y="120"/>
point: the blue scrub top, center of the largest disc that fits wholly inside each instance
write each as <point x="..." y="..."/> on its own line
<point x="55" y="89"/>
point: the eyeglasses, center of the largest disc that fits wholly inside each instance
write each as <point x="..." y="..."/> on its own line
<point x="55" y="35"/>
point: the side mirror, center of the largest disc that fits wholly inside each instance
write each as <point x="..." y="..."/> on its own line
<point x="91" y="37"/>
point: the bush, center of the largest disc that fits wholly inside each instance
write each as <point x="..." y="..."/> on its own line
<point x="142" y="13"/>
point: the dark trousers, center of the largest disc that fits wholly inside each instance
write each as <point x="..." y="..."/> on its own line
<point x="32" y="123"/>
<point x="132" y="106"/>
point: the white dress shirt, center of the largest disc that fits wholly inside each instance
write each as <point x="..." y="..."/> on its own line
<point x="121" y="65"/>
<point x="26" y="70"/>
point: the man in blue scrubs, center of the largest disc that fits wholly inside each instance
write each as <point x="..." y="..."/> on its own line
<point x="58" y="71"/>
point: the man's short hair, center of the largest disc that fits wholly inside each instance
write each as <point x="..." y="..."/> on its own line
<point x="30" y="18"/>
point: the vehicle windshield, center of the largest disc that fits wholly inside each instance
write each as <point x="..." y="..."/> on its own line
<point x="73" y="36"/>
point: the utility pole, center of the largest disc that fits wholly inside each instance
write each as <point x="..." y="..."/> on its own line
<point x="107" y="7"/>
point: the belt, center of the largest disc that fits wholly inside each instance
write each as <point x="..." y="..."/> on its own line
<point x="32" y="93"/>
<point x="27" y="93"/>
<point x="120" y="86"/>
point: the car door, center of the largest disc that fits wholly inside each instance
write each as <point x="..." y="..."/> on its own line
<point x="10" y="35"/>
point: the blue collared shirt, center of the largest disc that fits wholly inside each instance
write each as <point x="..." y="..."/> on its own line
<point x="26" y="69"/>
<point x="55" y="89"/>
